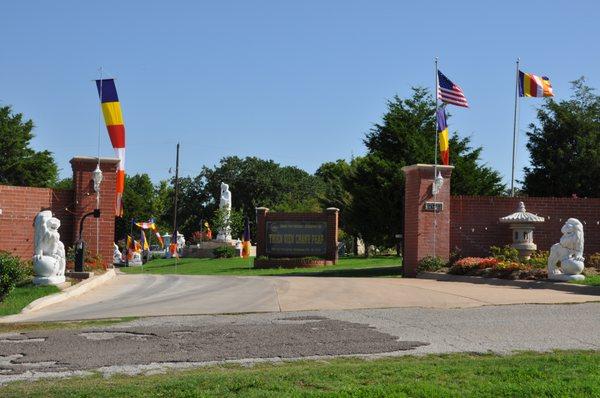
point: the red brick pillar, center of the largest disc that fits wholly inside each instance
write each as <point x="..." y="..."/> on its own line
<point x="85" y="201"/>
<point x="420" y="220"/>
<point x="261" y="231"/>
<point x="332" y="234"/>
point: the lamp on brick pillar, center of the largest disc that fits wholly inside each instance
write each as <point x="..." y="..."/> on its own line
<point x="80" y="244"/>
<point x="94" y="178"/>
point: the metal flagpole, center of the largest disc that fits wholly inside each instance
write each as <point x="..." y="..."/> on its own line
<point x="435" y="143"/>
<point x="175" y="232"/>
<point x="515" y="129"/>
<point x="98" y="166"/>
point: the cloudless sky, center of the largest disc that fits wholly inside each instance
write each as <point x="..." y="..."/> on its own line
<point x="299" y="82"/>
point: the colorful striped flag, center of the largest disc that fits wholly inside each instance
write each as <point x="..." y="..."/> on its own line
<point x="442" y="128"/>
<point x="246" y="239"/>
<point x="531" y="85"/>
<point x="151" y="225"/>
<point x="143" y="240"/>
<point x="111" y="108"/>
<point x="449" y="92"/>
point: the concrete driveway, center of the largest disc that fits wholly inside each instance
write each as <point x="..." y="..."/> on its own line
<point x="156" y="295"/>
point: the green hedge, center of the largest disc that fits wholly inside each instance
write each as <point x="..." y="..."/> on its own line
<point x="12" y="271"/>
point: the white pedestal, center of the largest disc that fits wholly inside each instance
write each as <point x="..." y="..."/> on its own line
<point x="48" y="280"/>
<point x="566" y="278"/>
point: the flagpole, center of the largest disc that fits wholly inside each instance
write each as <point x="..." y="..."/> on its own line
<point x="435" y="144"/>
<point x="515" y="130"/>
<point x="175" y="232"/>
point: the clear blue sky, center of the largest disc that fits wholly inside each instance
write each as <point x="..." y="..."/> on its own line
<point x="298" y="82"/>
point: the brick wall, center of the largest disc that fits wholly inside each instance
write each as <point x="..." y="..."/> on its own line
<point x="474" y="225"/>
<point x="330" y="216"/>
<point x="19" y="207"/>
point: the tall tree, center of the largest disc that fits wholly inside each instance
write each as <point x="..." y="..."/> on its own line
<point x="19" y="163"/>
<point x="565" y="146"/>
<point x="406" y="136"/>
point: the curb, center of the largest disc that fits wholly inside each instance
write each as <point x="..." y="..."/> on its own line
<point x="70" y="292"/>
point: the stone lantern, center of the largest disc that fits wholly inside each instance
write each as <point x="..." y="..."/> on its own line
<point x="522" y="224"/>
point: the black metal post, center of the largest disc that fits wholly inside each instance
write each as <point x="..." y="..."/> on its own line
<point x="80" y="244"/>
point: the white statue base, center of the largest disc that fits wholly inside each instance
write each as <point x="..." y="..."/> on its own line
<point x="566" y="277"/>
<point x="224" y="238"/>
<point x="49" y="280"/>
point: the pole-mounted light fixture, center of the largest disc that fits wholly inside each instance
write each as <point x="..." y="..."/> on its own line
<point x="97" y="178"/>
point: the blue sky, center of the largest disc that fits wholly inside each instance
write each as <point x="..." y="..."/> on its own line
<point x="298" y="82"/>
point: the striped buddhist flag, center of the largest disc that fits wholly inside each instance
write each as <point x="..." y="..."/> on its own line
<point x="143" y="240"/>
<point x="111" y="108"/>
<point x="151" y="225"/>
<point x="531" y="85"/>
<point x="246" y="239"/>
<point x="449" y="92"/>
<point x="442" y="128"/>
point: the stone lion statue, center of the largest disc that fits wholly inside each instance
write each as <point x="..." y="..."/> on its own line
<point x="49" y="252"/>
<point x="569" y="252"/>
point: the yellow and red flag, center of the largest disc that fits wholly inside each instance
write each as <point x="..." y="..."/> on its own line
<point x="246" y="239"/>
<point x="111" y="108"/>
<point x="442" y="129"/>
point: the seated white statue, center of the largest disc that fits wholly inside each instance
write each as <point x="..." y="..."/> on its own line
<point x="117" y="255"/>
<point x="49" y="252"/>
<point x="569" y="252"/>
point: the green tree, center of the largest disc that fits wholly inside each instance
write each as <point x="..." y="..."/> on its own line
<point x="335" y="177"/>
<point x="20" y="164"/>
<point x="565" y="147"/>
<point x="404" y="137"/>
<point x="139" y="204"/>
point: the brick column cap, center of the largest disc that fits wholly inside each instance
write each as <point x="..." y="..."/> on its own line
<point x="423" y="166"/>
<point x="88" y="163"/>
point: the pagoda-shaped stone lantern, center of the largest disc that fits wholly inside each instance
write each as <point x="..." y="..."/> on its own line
<point x="522" y="224"/>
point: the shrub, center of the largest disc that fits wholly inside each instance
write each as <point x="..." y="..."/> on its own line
<point x="593" y="261"/>
<point x="506" y="253"/>
<point x="11" y="273"/>
<point x="430" y="263"/>
<point x="539" y="259"/>
<point x="225" y="252"/>
<point x="455" y="255"/>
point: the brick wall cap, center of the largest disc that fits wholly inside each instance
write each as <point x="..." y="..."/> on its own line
<point x="93" y="159"/>
<point x="425" y="166"/>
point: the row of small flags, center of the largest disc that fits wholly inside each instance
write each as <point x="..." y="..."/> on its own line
<point x="530" y="85"/>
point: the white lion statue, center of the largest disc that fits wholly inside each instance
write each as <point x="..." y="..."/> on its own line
<point x="569" y="252"/>
<point x="49" y="252"/>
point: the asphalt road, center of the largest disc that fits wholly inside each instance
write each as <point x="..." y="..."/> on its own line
<point x="159" y="343"/>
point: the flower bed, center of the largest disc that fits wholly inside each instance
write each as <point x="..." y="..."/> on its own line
<point x="493" y="268"/>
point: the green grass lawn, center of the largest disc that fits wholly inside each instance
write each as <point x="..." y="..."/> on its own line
<point x="349" y="267"/>
<point x="590" y="280"/>
<point x="21" y="296"/>
<point x="558" y="374"/>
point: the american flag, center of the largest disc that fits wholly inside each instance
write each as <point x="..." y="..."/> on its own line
<point x="449" y="92"/>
